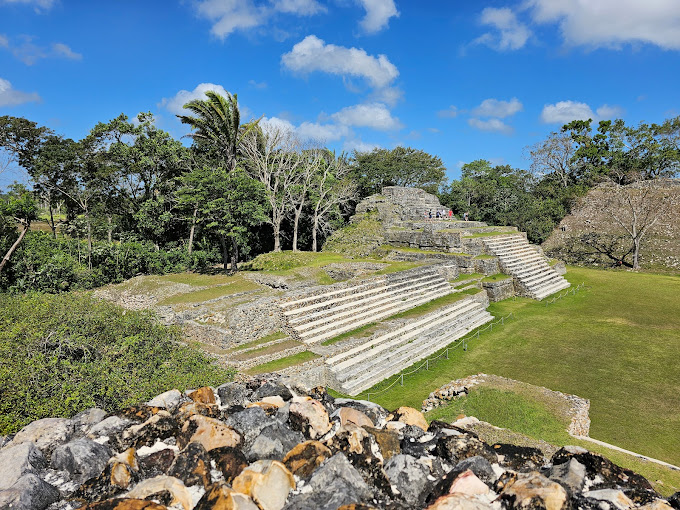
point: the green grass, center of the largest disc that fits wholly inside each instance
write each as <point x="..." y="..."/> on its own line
<point x="281" y="363"/>
<point x="197" y="279"/>
<point x="430" y="306"/>
<point x="236" y="285"/>
<point x="464" y="276"/>
<point x="496" y="277"/>
<point x="265" y="349"/>
<point x="276" y="335"/>
<point x="428" y="252"/>
<point x="395" y="267"/>
<point x="484" y="257"/>
<point x="484" y="234"/>
<point x="616" y="343"/>
<point x="509" y="410"/>
<point x="360" y="332"/>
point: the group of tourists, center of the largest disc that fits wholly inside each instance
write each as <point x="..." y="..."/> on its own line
<point x="442" y="215"/>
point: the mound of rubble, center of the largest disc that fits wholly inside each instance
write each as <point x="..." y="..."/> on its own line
<point x="268" y="445"/>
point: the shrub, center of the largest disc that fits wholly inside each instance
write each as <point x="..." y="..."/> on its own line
<point x="61" y="354"/>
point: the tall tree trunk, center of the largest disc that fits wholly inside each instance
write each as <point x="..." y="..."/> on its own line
<point x="225" y="253"/>
<point x="193" y="229"/>
<point x="52" y="225"/>
<point x="13" y="247"/>
<point x="234" y="254"/>
<point x="277" y="236"/>
<point x="109" y="218"/>
<point x="636" y="251"/>
<point x="89" y="239"/>
<point x="315" y="227"/>
<point x="296" y="222"/>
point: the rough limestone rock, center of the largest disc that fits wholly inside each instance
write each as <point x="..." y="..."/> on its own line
<point x="204" y="395"/>
<point x="18" y="460"/>
<point x="29" y="492"/>
<point x="410" y="477"/>
<point x="168" y="400"/>
<point x="82" y="458"/>
<point x="47" y="433"/>
<point x="199" y="456"/>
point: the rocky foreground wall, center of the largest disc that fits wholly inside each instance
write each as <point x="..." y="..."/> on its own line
<point x="267" y="445"/>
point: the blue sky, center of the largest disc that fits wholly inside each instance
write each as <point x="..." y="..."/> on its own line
<point x="459" y="79"/>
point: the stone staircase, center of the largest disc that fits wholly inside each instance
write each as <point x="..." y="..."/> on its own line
<point x="322" y="316"/>
<point x="361" y="367"/>
<point x="526" y="265"/>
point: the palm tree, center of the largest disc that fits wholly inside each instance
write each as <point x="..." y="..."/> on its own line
<point x="216" y="125"/>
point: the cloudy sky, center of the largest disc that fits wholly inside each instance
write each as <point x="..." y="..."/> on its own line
<point x="460" y="79"/>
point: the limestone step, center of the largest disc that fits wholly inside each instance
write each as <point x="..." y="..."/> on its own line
<point x="361" y="362"/>
<point x="412" y="353"/>
<point x="552" y="289"/>
<point x="355" y="300"/>
<point x="389" y="296"/>
<point x="373" y="315"/>
<point x="350" y="356"/>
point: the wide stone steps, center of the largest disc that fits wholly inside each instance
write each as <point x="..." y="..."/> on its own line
<point x="363" y="313"/>
<point x="518" y="258"/>
<point x="322" y="316"/>
<point x="391" y="352"/>
<point x="301" y="318"/>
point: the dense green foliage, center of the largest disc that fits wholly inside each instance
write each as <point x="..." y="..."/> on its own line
<point x="49" y="264"/>
<point x="62" y="354"/>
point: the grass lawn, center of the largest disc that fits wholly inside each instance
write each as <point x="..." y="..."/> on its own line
<point x="281" y="363"/>
<point x="221" y="285"/>
<point x="616" y="343"/>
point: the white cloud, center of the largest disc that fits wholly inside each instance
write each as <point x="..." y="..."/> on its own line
<point x="62" y="50"/>
<point x="323" y="132"/>
<point x="388" y="95"/>
<point x="511" y="33"/>
<point x="4" y="42"/>
<point x="299" y="7"/>
<point x="450" y="113"/>
<point x="269" y="124"/>
<point x="12" y="97"/>
<point x="378" y="14"/>
<point x="609" y="112"/>
<point x="611" y="23"/>
<point x="38" y="4"/>
<point x="354" y="144"/>
<point x="491" y="125"/>
<point x="176" y="103"/>
<point x="258" y="85"/>
<point x="496" y="108"/>
<point x="372" y="115"/>
<point x="312" y="54"/>
<point x="563" y="112"/>
<point x="229" y="16"/>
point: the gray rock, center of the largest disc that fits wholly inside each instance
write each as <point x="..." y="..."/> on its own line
<point x="16" y="461"/>
<point x="232" y="393"/>
<point x="249" y="423"/>
<point x="613" y="496"/>
<point x="571" y="475"/>
<point x="82" y="458"/>
<point x="168" y="400"/>
<point x="109" y="426"/>
<point x="29" y="493"/>
<point x="47" y="433"/>
<point x="273" y="443"/>
<point x="271" y="389"/>
<point x="88" y="418"/>
<point x="334" y="484"/>
<point x="283" y="413"/>
<point x="374" y="411"/>
<point x="409" y="477"/>
<point x="480" y="467"/>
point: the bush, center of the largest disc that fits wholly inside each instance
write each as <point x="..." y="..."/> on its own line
<point x="45" y="264"/>
<point x="61" y="354"/>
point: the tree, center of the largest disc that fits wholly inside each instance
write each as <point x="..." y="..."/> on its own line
<point x="20" y="140"/>
<point x="331" y="187"/>
<point x="401" y="166"/>
<point x="273" y="158"/>
<point x="636" y="208"/>
<point x="229" y="204"/>
<point x="552" y="158"/>
<point x="312" y="162"/>
<point x="19" y="205"/>
<point x="216" y="125"/>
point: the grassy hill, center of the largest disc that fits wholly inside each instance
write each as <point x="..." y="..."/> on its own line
<point x="616" y="343"/>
